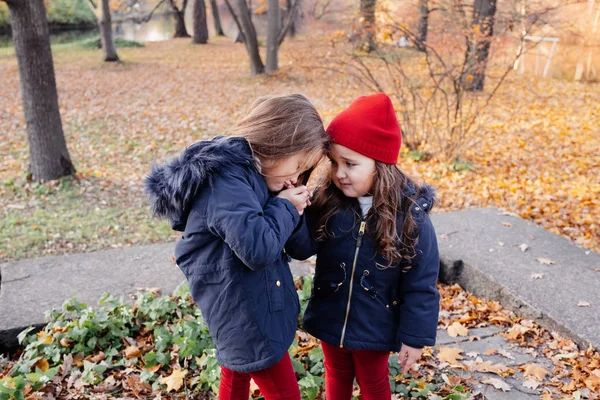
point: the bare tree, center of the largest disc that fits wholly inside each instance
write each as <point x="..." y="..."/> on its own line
<point x="273" y="29"/>
<point x="48" y="155"/>
<point x="292" y="30"/>
<point x="275" y="33"/>
<point x="200" y="24"/>
<point x="423" y="24"/>
<point x="216" y="18"/>
<point x="102" y="11"/>
<point x="320" y="8"/>
<point x="180" y="30"/>
<point x="367" y="26"/>
<point x="478" y="43"/>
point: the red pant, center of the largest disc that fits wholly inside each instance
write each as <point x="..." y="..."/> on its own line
<point x="369" y="367"/>
<point x="277" y="382"/>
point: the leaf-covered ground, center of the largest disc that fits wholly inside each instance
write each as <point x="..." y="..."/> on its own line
<point x="160" y="348"/>
<point x="536" y="154"/>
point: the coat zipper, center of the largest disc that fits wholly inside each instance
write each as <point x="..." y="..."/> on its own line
<point x="361" y="232"/>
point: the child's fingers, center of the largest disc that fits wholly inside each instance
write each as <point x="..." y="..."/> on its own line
<point x="410" y="360"/>
<point x="402" y="356"/>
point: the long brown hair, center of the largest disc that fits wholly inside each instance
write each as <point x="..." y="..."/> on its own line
<point x="278" y="127"/>
<point x="389" y="201"/>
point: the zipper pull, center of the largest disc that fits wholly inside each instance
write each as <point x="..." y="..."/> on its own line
<point x="361" y="232"/>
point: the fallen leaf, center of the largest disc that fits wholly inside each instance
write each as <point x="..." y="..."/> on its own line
<point x="449" y="355"/>
<point x="531" y="383"/>
<point x="505" y="354"/>
<point x="44" y="338"/>
<point x="583" y="304"/>
<point x="153" y="368"/>
<point x="545" y="261"/>
<point x="132" y="351"/>
<point x="97" y="357"/>
<point x="497" y="383"/>
<point x="507" y="224"/>
<point x="490" y="352"/>
<point x="536" y="371"/>
<point x="42" y="364"/>
<point x="537" y="276"/>
<point x="175" y="380"/>
<point x="457" y="329"/>
<point x="593" y="382"/>
<point x="487" y="366"/>
<point x="523" y="247"/>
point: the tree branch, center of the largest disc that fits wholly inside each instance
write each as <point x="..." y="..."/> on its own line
<point x="291" y="19"/>
<point x="141" y="20"/>
<point x="237" y="21"/>
<point x="173" y="5"/>
<point x="92" y="5"/>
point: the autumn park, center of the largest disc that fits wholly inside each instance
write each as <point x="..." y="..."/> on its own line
<point x="499" y="106"/>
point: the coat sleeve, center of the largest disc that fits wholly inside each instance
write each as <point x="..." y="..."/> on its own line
<point x="256" y="235"/>
<point x="301" y="245"/>
<point x="420" y="299"/>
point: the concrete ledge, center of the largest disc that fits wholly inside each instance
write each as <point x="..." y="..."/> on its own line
<point x="28" y="288"/>
<point x="479" y="249"/>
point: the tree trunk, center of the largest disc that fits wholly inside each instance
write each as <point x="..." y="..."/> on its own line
<point x="200" y="26"/>
<point x="273" y="29"/>
<point x="367" y="37"/>
<point x="422" y="24"/>
<point x="250" y="40"/>
<point x="292" y="31"/>
<point x="478" y="44"/>
<point x="216" y="18"/>
<point x="180" y="30"/>
<point x="48" y="155"/>
<point x="106" y="36"/>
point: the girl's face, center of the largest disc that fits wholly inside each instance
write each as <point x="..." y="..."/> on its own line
<point x="285" y="172"/>
<point x="351" y="172"/>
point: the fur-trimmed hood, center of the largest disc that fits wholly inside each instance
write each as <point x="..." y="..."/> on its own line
<point x="172" y="186"/>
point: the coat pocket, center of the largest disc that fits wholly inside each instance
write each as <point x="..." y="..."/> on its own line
<point x="275" y="289"/>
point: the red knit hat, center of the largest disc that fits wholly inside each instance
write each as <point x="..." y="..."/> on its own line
<point x="369" y="127"/>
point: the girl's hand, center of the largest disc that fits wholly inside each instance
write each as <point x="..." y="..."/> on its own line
<point x="408" y="356"/>
<point x="299" y="196"/>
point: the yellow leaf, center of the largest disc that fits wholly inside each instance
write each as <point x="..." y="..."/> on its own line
<point x="535" y="371"/>
<point x="487" y="366"/>
<point x="449" y="355"/>
<point x="175" y="380"/>
<point x="42" y="364"/>
<point x="44" y="338"/>
<point x="457" y="329"/>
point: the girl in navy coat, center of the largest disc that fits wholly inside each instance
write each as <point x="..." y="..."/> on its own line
<point x="377" y="257"/>
<point x="228" y="196"/>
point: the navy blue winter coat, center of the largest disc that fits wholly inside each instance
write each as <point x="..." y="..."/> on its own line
<point x="231" y="251"/>
<point x="356" y="302"/>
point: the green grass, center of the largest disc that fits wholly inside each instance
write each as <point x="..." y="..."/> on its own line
<point x="74" y="216"/>
<point x="93" y="42"/>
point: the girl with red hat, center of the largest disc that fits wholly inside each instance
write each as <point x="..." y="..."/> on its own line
<point x="374" y="288"/>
